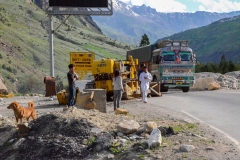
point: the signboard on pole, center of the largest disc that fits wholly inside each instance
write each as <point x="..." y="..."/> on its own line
<point x="80" y="7"/>
<point x="82" y="61"/>
<point x="79" y="3"/>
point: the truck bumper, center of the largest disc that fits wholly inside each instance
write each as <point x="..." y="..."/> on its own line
<point x="178" y="84"/>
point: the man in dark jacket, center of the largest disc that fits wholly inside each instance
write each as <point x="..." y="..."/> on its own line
<point x="72" y="77"/>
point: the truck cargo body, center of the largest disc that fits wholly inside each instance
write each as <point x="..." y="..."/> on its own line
<point x="172" y="66"/>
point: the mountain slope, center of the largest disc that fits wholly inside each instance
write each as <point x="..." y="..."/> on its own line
<point x="210" y="42"/>
<point x="129" y="23"/>
<point x="24" y="47"/>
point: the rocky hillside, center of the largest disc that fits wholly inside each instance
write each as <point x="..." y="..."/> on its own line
<point x="211" y="41"/>
<point x="24" y="48"/>
<point x="129" y="23"/>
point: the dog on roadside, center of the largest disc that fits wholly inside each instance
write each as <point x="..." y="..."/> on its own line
<point x="21" y="112"/>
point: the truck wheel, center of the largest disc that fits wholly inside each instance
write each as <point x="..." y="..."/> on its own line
<point x="164" y="89"/>
<point x="185" y="89"/>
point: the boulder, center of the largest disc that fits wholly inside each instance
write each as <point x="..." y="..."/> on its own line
<point x="187" y="148"/>
<point x="18" y="143"/>
<point x="85" y="100"/>
<point x="214" y="86"/>
<point x="128" y="127"/>
<point x="155" y="139"/>
<point x="120" y="134"/>
<point x="202" y="83"/>
<point x="111" y="156"/>
<point x="102" y="142"/>
<point x="150" y="126"/>
<point x="121" y="111"/>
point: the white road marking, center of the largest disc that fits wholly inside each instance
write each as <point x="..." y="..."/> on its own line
<point x="222" y="132"/>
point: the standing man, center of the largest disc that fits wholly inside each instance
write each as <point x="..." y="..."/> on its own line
<point x="145" y="79"/>
<point x="72" y="77"/>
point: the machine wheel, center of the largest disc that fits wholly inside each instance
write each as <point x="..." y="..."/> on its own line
<point x="185" y="89"/>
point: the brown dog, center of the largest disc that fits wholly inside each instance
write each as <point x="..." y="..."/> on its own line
<point x="21" y="112"/>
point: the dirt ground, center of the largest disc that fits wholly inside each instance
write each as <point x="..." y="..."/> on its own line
<point x="208" y="143"/>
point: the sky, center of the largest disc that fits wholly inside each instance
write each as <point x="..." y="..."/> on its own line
<point x="190" y="5"/>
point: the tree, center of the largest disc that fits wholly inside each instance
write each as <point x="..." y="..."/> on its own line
<point x="231" y="66"/>
<point x="223" y="65"/>
<point x="144" y="41"/>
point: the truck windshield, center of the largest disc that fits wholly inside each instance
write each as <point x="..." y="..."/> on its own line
<point x="168" y="56"/>
<point x="185" y="56"/>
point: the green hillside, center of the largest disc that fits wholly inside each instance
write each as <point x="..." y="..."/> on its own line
<point x="24" y="47"/>
<point x="210" y="42"/>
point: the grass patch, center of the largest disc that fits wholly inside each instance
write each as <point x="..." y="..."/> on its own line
<point x="184" y="155"/>
<point x="165" y="140"/>
<point x="102" y="51"/>
<point x="141" y="156"/>
<point x="90" y="140"/>
<point x="116" y="150"/>
<point x="184" y="127"/>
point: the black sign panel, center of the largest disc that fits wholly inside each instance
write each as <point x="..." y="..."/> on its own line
<point x="79" y="3"/>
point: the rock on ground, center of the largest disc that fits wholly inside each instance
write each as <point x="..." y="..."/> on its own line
<point x="18" y="143"/>
<point x="111" y="156"/>
<point x="214" y="86"/>
<point x="229" y="80"/>
<point x="128" y="127"/>
<point x="102" y="142"/>
<point x="155" y="139"/>
<point x="187" y="148"/>
<point x="121" y="111"/>
<point x="150" y="126"/>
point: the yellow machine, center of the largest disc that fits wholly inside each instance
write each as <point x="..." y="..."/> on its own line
<point x="103" y="72"/>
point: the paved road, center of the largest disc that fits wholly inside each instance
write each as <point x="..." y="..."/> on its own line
<point x="220" y="109"/>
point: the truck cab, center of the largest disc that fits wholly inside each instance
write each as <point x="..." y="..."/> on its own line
<point x="175" y="63"/>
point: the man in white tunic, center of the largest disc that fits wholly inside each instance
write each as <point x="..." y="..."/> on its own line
<point x="145" y="78"/>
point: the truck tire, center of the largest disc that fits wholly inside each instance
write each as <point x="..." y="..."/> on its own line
<point x="185" y="89"/>
<point x="164" y="89"/>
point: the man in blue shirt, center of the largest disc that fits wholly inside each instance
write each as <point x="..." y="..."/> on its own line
<point x="72" y="77"/>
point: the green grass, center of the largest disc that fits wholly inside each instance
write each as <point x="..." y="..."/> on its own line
<point x="141" y="156"/>
<point x="165" y="140"/>
<point x="25" y="34"/>
<point x="90" y="140"/>
<point x="184" y="127"/>
<point x="184" y="155"/>
<point x="116" y="150"/>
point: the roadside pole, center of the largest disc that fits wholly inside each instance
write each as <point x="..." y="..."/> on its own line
<point x="51" y="32"/>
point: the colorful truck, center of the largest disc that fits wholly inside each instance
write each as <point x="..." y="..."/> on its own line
<point x="171" y="63"/>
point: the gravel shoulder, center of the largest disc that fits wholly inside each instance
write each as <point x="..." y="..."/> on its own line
<point x="208" y="143"/>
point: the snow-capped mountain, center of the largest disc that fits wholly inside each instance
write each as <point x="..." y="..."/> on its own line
<point x="130" y="22"/>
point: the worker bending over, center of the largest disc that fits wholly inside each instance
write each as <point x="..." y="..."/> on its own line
<point x="145" y="78"/>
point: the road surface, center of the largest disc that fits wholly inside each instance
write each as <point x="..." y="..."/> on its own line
<point x="220" y="109"/>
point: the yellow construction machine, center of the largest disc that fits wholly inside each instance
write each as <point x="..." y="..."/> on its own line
<point x="103" y="72"/>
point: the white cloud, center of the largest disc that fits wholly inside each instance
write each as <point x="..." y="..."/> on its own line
<point x="218" y="5"/>
<point x="161" y="5"/>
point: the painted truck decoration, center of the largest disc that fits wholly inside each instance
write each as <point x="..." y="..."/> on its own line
<point x="172" y="63"/>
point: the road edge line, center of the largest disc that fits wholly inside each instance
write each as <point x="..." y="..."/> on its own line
<point x="222" y="132"/>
